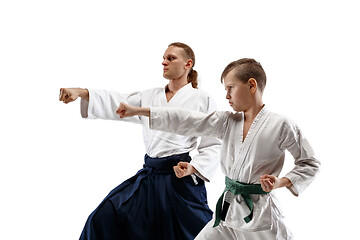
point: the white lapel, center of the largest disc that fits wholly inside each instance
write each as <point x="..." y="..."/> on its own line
<point x="240" y="159"/>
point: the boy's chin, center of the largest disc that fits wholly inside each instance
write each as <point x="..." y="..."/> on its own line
<point x="235" y="109"/>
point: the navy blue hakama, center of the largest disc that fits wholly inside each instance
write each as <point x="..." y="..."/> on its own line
<point x="153" y="204"/>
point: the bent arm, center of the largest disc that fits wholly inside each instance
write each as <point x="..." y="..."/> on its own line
<point x="208" y="158"/>
<point x="307" y="166"/>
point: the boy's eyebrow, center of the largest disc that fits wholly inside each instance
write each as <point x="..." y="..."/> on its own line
<point x="169" y="55"/>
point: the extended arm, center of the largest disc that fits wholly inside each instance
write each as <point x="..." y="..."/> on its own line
<point x="100" y="104"/>
<point x="178" y="120"/>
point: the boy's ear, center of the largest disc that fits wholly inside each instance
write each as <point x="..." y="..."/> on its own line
<point x="252" y="85"/>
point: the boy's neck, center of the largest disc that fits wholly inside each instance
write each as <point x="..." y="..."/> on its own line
<point x="253" y="111"/>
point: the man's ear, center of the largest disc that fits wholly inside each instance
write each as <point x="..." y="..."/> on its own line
<point x="189" y="64"/>
<point x="252" y="85"/>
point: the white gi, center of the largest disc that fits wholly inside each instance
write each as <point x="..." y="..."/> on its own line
<point x="103" y="104"/>
<point x="262" y="152"/>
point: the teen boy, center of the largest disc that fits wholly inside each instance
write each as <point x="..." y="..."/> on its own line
<point x="252" y="155"/>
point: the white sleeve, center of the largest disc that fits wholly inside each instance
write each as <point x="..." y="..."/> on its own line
<point x="306" y="165"/>
<point x="102" y="104"/>
<point x="188" y="123"/>
<point x="208" y="159"/>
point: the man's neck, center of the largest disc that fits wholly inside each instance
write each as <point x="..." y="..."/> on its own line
<point x="176" y="85"/>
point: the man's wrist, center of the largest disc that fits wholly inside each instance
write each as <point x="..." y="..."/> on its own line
<point x="84" y="93"/>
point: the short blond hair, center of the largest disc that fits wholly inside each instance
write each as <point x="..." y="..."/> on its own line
<point x="247" y="68"/>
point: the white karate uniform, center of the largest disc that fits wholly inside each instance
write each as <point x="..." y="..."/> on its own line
<point x="103" y="104"/>
<point x="262" y="152"/>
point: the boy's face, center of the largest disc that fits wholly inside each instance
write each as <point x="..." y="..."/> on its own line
<point x="238" y="93"/>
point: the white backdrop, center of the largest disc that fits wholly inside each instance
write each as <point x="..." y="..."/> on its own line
<point x="56" y="167"/>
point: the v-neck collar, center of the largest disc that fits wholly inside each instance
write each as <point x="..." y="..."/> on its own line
<point x="179" y="92"/>
<point x="244" y="146"/>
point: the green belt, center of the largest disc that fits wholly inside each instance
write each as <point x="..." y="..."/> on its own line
<point x="238" y="188"/>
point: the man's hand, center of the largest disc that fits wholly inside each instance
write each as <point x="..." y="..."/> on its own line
<point x="270" y="182"/>
<point x="71" y="94"/>
<point x="184" y="169"/>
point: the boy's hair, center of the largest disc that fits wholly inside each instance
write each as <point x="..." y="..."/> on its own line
<point x="247" y="68"/>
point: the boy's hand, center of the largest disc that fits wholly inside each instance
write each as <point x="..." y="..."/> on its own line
<point x="184" y="169"/>
<point x="124" y="110"/>
<point x="270" y="182"/>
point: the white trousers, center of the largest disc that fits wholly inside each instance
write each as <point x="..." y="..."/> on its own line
<point x="278" y="232"/>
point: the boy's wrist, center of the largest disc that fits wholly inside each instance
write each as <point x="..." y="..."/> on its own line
<point x="142" y="111"/>
<point x="285" y="182"/>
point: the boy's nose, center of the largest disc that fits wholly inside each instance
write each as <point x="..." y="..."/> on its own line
<point x="227" y="96"/>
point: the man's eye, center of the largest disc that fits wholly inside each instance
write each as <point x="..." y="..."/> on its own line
<point x="170" y="58"/>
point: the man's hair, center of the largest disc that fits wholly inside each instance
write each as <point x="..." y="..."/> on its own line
<point x="245" y="69"/>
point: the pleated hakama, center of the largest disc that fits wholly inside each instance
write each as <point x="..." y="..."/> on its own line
<point x="153" y="204"/>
